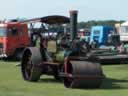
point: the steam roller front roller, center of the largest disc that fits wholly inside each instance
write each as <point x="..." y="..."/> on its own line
<point x="82" y="74"/>
<point x="31" y="60"/>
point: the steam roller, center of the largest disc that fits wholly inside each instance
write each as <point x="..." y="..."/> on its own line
<point x="77" y="72"/>
<point x="62" y="58"/>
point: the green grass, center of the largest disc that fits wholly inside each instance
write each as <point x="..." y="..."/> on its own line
<point x="12" y="84"/>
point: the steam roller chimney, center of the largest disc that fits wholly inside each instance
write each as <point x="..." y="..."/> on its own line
<point x="73" y="24"/>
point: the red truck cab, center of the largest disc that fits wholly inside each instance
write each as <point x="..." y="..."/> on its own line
<point x="13" y="38"/>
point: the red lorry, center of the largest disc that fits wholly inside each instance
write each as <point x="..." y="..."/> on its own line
<point x="13" y="38"/>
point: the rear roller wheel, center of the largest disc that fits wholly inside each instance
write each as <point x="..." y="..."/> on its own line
<point x="30" y="62"/>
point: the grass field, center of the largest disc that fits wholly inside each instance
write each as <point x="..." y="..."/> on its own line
<point x="12" y="84"/>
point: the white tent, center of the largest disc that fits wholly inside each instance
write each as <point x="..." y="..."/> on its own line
<point x="125" y="23"/>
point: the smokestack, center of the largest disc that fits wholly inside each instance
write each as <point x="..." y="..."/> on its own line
<point x="73" y="24"/>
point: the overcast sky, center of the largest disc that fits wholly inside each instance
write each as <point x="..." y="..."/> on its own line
<point x="88" y="9"/>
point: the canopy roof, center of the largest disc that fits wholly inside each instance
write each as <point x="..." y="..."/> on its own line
<point x="53" y="19"/>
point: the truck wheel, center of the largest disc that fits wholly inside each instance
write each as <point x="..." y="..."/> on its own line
<point x="30" y="64"/>
<point x="18" y="54"/>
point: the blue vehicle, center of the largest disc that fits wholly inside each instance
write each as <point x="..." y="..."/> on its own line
<point x="101" y="34"/>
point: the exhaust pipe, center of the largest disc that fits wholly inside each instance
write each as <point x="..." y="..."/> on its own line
<point x="73" y="24"/>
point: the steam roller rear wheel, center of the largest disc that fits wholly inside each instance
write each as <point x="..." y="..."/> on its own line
<point x="83" y="74"/>
<point x="31" y="59"/>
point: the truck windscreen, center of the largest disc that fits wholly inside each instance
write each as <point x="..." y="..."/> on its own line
<point x="3" y="32"/>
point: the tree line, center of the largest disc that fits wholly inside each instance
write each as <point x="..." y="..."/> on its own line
<point x="88" y="24"/>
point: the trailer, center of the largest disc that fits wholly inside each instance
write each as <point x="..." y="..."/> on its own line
<point x="106" y="45"/>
